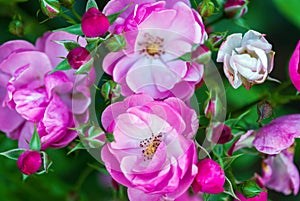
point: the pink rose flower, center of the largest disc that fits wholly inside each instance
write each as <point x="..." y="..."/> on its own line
<point x="278" y="135"/>
<point x="29" y="162"/>
<point x="30" y="95"/>
<point x="94" y="23"/>
<point x="152" y="153"/>
<point x="148" y="64"/>
<point x="294" y="67"/>
<point x="280" y="172"/>
<point x="210" y="178"/>
<point x="247" y="59"/>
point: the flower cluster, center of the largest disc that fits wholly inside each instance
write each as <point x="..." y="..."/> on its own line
<point x="153" y="55"/>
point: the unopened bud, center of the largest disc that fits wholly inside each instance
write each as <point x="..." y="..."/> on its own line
<point x="16" y="26"/>
<point x="206" y="9"/>
<point x="51" y="8"/>
<point x="235" y="8"/>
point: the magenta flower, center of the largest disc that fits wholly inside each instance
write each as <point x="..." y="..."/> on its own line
<point x="263" y="196"/>
<point x="29" y="162"/>
<point x="210" y="178"/>
<point x="152" y="153"/>
<point x="235" y="8"/>
<point x="294" y="67"/>
<point x="94" y="23"/>
<point x="278" y="135"/>
<point x="30" y="95"/>
<point x="149" y="62"/>
<point x="78" y="56"/>
<point x="280" y="173"/>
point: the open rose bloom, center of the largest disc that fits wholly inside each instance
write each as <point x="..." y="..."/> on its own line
<point x="247" y="59"/>
<point x="153" y="153"/>
<point x="148" y="64"/>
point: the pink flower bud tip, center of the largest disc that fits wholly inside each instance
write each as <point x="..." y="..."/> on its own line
<point x="210" y="178"/>
<point x="78" y="56"/>
<point x="29" y="162"/>
<point x="94" y="23"/>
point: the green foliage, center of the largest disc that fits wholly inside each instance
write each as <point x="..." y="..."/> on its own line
<point x="290" y="9"/>
<point x="250" y="189"/>
<point x="35" y="142"/>
<point x="64" y="65"/>
<point x="73" y="29"/>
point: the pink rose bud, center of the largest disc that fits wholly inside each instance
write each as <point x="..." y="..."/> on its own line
<point x="294" y="67"/>
<point x="221" y="134"/>
<point x="94" y="23"/>
<point x="51" y="8"/>
<point x="210" y="108"/>
<point x="235" y="8"/>
<point x="201" y="54"/>
<point x="78" y="56"/>
<point x="210" y="178"/>
<point x="29" y="162"/>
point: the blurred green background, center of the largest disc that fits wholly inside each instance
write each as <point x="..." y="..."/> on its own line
<point x="72" y="178"/>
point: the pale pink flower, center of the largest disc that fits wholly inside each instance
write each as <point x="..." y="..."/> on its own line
<point x="294" y="67"/>
<point x="247" y="59"/>
<point x="278" y="135"/>
<point x="149" y="62"/>
<point x="152" y="153"/>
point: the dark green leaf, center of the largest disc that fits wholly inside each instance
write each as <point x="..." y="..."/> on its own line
<point x="35" y="142"/>
<point x="250" y="189"/>
<point x="116" y="43"/>
<point x="64" y="65"/>
<point x="91" y="4"/>
<point x="73" y="29"/>
<point x="242" y="23"/>
<point x="101" y="169"/>
<point x="79" y="146"/>
<point x="11" y="1"/>
<point x="68" y="44"/>
<point x="109" y="137"/>
<point x="12" y="154"/>
<point x="227" y="161"/>
<point x="112" y="18"/>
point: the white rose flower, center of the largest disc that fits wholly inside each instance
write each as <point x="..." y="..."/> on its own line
<point x="247" y="60"/>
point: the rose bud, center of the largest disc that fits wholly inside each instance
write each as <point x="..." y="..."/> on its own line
<point x="235" y="8"/>
<point x="78" y="56"/>
<point x="51" y="8"/>
<point x="29" y="162"/>
<point x="206" y="9"/>
<point x="94" y="23"/>
<point x="221" y="134"/>
<point x="201" y="54"/>
<point x="16" y="26"/>
<point x="294" y="67"/>
<point x="210" y="177"/>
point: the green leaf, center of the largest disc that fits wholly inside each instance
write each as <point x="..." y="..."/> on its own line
<point x="79" y="146"/>
<point x="250" y="189"/>
<point x="233" y="122"/>
<point x="109" y="137"/>
<point x="185" y="57"/>
<point x="73" y="29"/>
<point x="35" y="142"/>
<point x="112" y="18"/>
<point x="46" y="163"/>
<point x="64" y="65"/>
<point x="227" y="161"/>
<point x="12" y="154"/>
<point x="242" y="23"/>
<point x="228" y="189"/>
<point x="290" y="9"/>
<point x="91" y="4"/>
<point x="68" y="44"/>
<point x="12" y="1"/>
<point x="85" y="68"/>
<point x="116" y="43"/>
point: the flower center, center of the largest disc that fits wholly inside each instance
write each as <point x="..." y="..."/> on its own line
<point x="152" y="45"/>
<point x="150" y="146"/>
